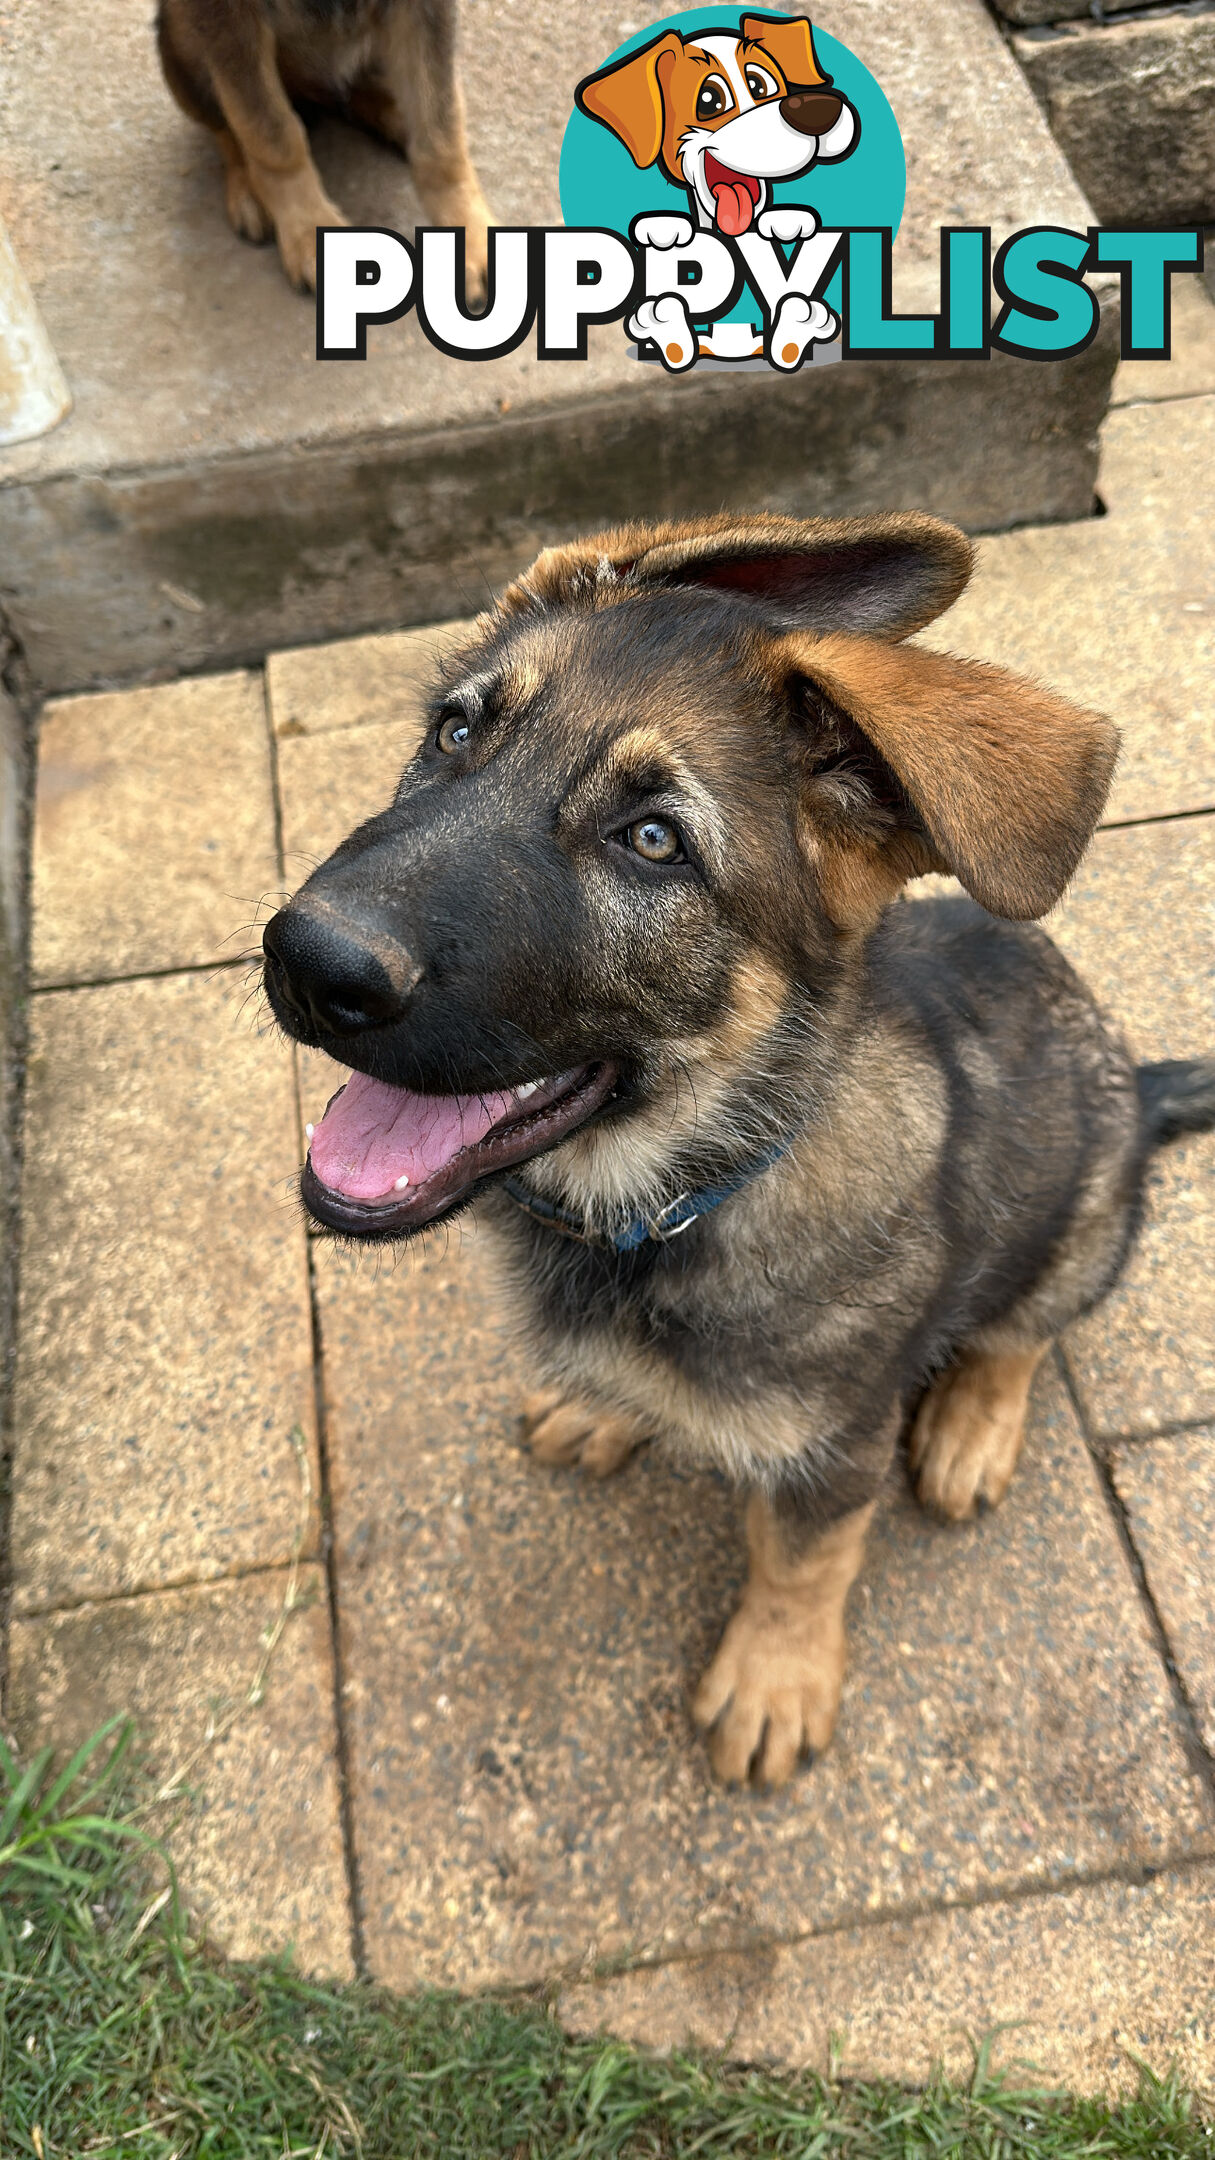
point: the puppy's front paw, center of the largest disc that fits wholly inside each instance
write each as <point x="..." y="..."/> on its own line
<point x="297" y="242"/>
<point x="572" y="1434"/>
<point x="968" y="1433"/>
<point x="769" y="1699"/>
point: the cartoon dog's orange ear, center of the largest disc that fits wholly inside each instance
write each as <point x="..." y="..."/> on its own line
<point x="788" y="41"/>
<point x="627" y="98"/>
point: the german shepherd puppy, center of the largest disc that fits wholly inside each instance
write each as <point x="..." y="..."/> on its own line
<point x="242" y="67"/>
<point x="775" y="1166"/>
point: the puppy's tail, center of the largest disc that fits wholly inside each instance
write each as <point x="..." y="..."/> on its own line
<point x="1176" y="1097"/>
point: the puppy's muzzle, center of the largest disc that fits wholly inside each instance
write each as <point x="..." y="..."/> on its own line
<point x="811" y="112"/>
<point x="335" y="976"/>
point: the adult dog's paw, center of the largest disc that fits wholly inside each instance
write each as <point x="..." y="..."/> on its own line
<point x="476" y="261"/>
<point x="574" y="1435"/>
<point x="662" y="229"/>
<point x="248" y="217"/>
<point x="667" y="323"/>
<point x="787" y="222"/>
<point x="297" y="242"/>
<point x="769" y="1699"/>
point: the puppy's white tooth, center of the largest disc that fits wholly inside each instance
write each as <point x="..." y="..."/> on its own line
<point x="310" y="1129"/>
<point x="526" y="1088"/>
<point x="400" y="1185"/>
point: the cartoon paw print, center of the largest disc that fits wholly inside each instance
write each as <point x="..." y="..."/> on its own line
<point x="787" y="222"/>
<point x="667" y="322"/>
<point x="797" y="324"/>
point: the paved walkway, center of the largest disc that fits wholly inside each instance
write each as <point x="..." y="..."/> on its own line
<point x="471" y="1761"/>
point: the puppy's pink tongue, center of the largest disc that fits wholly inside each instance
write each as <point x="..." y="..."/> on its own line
<point x="372" y="1136"/>
<point x="735" y="206"/>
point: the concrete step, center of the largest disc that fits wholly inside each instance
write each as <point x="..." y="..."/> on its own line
<point x="1132" y="106"/>
<point x="216" y="492"/>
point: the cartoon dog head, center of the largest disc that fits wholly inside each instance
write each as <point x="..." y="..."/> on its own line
<point x="724" y="114"/>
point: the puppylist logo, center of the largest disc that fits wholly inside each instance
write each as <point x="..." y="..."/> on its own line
<point x="751" y="174"/>
<point x="734" y="151"/>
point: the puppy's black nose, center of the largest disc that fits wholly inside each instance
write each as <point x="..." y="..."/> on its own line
<point x="330" y="976"/>
<point x="811" y="112"/>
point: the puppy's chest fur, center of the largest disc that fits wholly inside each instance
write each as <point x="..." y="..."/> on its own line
<point x="955" y="1132"/>
<point x="767" y="1335"/>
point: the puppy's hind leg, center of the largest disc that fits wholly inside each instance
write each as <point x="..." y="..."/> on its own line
<point x="413" y="97"/>
<point x="969" y="1429"/>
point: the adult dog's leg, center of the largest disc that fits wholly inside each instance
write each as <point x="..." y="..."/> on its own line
<point x="190" y="84"/>
<point x="969" y="1429"/>
<point x="770" y="1697"/>
<point x="413" y="96"/>
<point x="271" y="141"/>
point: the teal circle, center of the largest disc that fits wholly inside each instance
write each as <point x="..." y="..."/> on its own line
<point x="600" y="185"/>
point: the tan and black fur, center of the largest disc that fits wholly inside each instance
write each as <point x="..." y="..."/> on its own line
<point x="244" y="68"/>
<point x="968" y="1133"/>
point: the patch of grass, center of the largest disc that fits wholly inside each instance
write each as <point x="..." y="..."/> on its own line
<point x="121" y="2035"/>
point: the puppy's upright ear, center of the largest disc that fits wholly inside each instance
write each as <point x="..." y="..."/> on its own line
<point x="627" y="97"/>
<point x="913" y="760"/>
<point x="882" y="576"/>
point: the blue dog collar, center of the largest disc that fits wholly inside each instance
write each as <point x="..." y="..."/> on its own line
<point x="668" y="1223"/>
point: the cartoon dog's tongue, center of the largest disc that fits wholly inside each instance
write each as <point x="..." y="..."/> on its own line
<point x="372" y="1136"/>
<point x="735" y="194"/>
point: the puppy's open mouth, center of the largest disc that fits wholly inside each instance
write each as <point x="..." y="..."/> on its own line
<point x="736" y="195"/>
<point x="384" y="1161"/>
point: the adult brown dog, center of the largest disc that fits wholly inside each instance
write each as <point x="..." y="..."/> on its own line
<point x="777" y="1167"/>
<point x="241" y="68"/>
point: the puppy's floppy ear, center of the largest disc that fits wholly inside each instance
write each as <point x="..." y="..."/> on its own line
<point x="996" y="779"/>
<point x="790" y="42"/>
<point x="627" y="98"/>
<point x="883" y="576"/>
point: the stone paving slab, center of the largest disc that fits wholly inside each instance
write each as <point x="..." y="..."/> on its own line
<point x="1139" y="923"/>
<point x="1119" y="611"/>
<point x="277" y="499"/>
<point x="165" y="1349"/>
<point x="526" y="1786"/>
<point x="358" y="682"/>
<point x="1168" y="1490"/>
<point x="1132" y="106"/>
<point x="259" y="1849"/>
<point x="331" y="782"/>
<point x="1191" y="370"/>
<point x="1094" y="1979"/>
<point x="154" y="828"/>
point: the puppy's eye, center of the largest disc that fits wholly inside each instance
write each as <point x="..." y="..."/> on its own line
<point x="759" y="83"/>
<point x="714" y="98"/>
<point x="453" y="732"/>
<point x="656" y="840"/>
